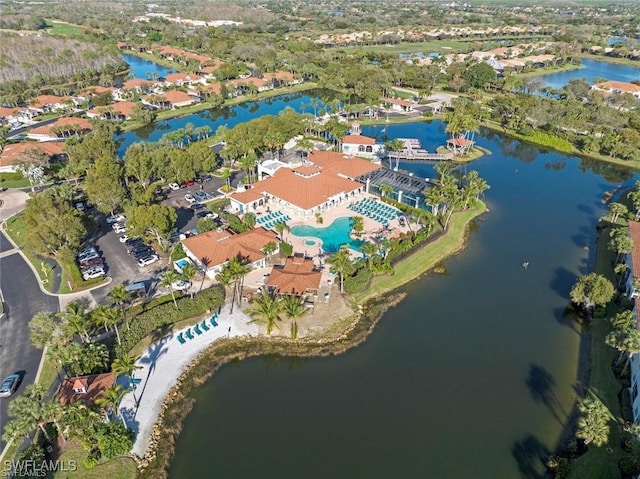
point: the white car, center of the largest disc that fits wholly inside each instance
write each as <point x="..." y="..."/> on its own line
<point x="88" y="256"/>
<point x="189" y="198"/>
<point x="94" y="272"/>
<point x="123" y="238"/>
<point x="180" y="285"/>
<point x="147" y="260"/>
<point x="174" y="186"/>
<point x="119" y="228"/>
<point x="115" y="219"/>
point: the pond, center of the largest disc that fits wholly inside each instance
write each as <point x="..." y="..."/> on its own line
<point x="592" y="70"/>
<point x="145" y="69"/>
<point x="472" y="375"/>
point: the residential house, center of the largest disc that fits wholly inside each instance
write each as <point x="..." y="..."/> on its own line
<point x="184" y="79"/>
<point x="618" y="87"/>
<point x="213" y="249"/>
<point x="84" y="389"/>
<point x="398" y="104"/>
<point x="120" y="111"/>
<point x="61" y="128"/>
<point x="50" y="103"/>
<point x="360" y="145"/>
<point x="14" y="153"/>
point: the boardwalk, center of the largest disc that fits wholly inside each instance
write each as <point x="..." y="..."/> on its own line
<point x="418" y="155"/>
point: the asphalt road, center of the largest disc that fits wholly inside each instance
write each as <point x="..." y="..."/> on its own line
<point x="4" y="244"/>
<point x="22" y="300"/>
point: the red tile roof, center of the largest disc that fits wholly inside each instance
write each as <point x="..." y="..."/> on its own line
<point x="175" y="96"/>
<point x="44" y="100"/>
<point x="6" y="112"/>
<point x="136" y="83"/>
<point x="461" y="142"/>
<point x="183" y="77"/>
<point x="125" y="108"/>
<point x="297" y="276"/>
<point x="634" y="233"/>
<point x="358" y="140"/>
<point x="83" y="123"/>
<point x="398" y="101"/>
<point x="94" y="384"/>
<point x="338" y="164"/>
<point x="247" y="196"/>
<point x="220" y="247"/>
<point x="16" y="151"/>
<point x="619" y="86"/>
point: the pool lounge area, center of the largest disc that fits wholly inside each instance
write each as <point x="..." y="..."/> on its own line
<point x="329" y="238"/>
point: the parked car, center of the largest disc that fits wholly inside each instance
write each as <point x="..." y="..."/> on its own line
<point x="9" y="385"/>
<point x="140" y="247"/>
<point x="144" y="253"/>
<point x="189" y="197"/>
<point x="93" y="272"/>
<point x="88" y="257"/>
<point x="123" y="238"/>
<point x="187" y="183"/>
<point x="87" y="249"/>
<point x="111" y="219"/>
<point x="206" y="177"/>
<point x="202" y="196"/>
<point x="197" y="206"/>
<point x="174" y="186"/>
<point x="180" y="285"/>
<point x="147" y="260"/>
<point x="88" y="263"/>
<point x="119" y="228"/>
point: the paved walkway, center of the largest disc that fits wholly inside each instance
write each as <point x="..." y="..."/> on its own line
<point x="162" y="363"/>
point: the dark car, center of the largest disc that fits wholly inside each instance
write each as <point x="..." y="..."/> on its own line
<point x="91" y="262"/>
<point x="9" y="385"/>
<point x="197" y="206"/>
<point x="139" y="248"/>
<point x="144" y="253"/>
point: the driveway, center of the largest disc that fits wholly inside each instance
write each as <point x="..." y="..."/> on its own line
<point x="22" y="299"/>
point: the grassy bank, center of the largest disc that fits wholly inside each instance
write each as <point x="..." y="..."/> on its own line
<point x="118" y="468"/>
<point x="551" y="69"/>
<point x="615" y="60"/>
<point x="425" y="258"/>
<point x="598" y="462"/>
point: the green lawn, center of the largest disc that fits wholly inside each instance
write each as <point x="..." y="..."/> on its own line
<point x="13" y="180"/>
<point x="424" y="47"/>
<point x="597" y="462"/>
<point x="119" y="468"/>
<point x="423" y="259"/>
<point x="65" y="29"/>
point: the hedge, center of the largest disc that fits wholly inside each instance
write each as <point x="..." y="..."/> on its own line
<point x="166" y="314"/>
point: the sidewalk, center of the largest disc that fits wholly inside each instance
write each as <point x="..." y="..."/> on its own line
<point x="161" y="365"/>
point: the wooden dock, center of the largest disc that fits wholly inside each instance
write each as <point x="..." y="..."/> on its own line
<point x="418" y="155"/>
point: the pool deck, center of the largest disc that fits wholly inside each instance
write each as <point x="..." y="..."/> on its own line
<point x="372" y="228"/>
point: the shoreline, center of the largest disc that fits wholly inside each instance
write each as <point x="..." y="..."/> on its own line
<point x="354" y="329"/>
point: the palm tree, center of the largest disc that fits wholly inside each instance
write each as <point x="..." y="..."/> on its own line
<point x="28" y="412"/>
<point x="265" y="309"/>
<point x="225" y="278"/>
<point x="358" y="226"/>
<point x="616" y="210"/>
<point x="167" y="280"/>
<point x="385" y="190"/>
<point x="53" y="411"/>
<point x="189" y="272"/>
<point x="369" y="250"/>
<point x="280" y="228"/>
<point x="108" y="317"/>
<point x="76" y="320"/>
<point x="341" y="264"/>
<point x="125" y="365"/>
<point x="627" y="341"/>
<point x="225" y="174"/>
<point x="239" y="271"/>
<point x="110" y="399"/>
<point x="120" y="295"/>
<point x="593" y="425"/>
<point x="270" y="248"/>
<point x="293" y="308"/>
<point x="396" y="146"/>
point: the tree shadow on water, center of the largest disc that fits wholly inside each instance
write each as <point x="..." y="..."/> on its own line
<point x="531" y="456"/>
<point x="562" y="281"/>
<point x="541" y="385"/>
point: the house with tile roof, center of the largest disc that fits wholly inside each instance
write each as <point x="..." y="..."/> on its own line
<point x="324" y="180"/>
<point x="359" y="145"/>
<point x="398" y="104"/>
<point x="84" y="389"/>
<point x="14" y="153"/>
<point x="298" y="276"/>
<point x="213" y="249"/>
<point x="119" y="111"/>
<point x="64" y="127"/>
<point x="618" y="87"/>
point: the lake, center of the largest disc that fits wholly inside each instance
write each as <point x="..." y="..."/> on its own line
<point x="145" y="69"/>
<point x="593" y="69"/>
<point x="471" y="376"/>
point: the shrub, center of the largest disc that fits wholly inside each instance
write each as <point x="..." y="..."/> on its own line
<point x="178" y="252"/>
<point x="359" y="279"/>
<point x="166" y="314"/>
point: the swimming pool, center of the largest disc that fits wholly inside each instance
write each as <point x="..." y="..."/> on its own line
<point x="332" y="236"/>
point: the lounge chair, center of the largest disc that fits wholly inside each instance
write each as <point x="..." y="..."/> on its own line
<point x="196" y="330"/>
<point x="204" y="326"/>
<point x="188" y="334"/>
<point x="181" y="339"/>
<point x="213" y="320"/>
